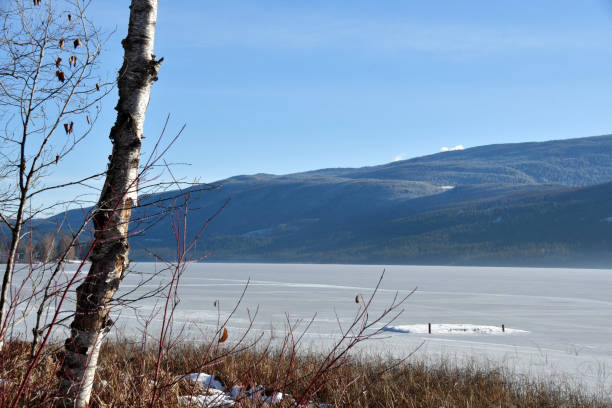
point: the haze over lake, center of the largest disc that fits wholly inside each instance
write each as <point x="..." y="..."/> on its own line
<point x="566" y="312"/>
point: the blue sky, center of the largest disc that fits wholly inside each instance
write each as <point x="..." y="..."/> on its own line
<point x="286" y="86"/>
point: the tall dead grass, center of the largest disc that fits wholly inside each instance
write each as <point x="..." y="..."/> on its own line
<point x="127" y="372"/>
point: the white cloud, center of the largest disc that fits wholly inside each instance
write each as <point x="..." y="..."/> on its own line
<point x="452" y="149"/>
<point x="399" y="157"/>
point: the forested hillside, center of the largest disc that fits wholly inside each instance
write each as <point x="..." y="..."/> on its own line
<point x="521" y="204"/>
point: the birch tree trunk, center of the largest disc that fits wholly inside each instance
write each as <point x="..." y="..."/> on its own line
<point x="109" y="258"/>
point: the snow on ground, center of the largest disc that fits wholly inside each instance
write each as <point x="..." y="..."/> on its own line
<point x="214" y="394"/>
<point x="452" y="329"/>
<point x="206" y="381"/>
<point x="211" y="398"/>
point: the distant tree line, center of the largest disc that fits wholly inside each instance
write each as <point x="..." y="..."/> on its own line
<point x="48" y="248"/>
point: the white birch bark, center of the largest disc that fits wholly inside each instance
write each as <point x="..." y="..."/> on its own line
<point x="109" y="258"/>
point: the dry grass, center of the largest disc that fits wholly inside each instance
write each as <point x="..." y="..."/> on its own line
<point x="127" y="372"/>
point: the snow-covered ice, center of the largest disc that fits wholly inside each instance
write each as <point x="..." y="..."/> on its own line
<point x="564" y="312"/>
<point x="453" y="329"/>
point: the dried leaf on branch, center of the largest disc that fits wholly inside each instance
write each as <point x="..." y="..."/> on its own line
<point x="223" y="336"/>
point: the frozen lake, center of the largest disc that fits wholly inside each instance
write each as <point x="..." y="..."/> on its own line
<point x="559" y="321"/>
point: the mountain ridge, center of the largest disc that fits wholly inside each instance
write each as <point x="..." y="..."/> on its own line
<point x="518" y="203"/>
